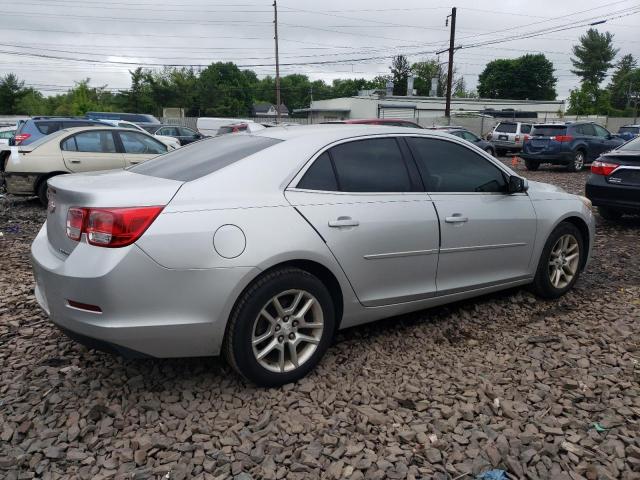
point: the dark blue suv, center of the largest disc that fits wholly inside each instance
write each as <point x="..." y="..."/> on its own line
<point x="571" y="144"/>
<point x="37" y="127"/>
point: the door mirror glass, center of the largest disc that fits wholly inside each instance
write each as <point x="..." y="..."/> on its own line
<point x="517" y="184"/>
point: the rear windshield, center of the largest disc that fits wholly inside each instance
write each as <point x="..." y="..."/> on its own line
<point x="631" y="146"/>
<point x="507" y="127"/>
<point x="46" y="138"/>
<point x="202" y="158"/>
<point x="548" y="130"/>
<point x="629" y="130"/>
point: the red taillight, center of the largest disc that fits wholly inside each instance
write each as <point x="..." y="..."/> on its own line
<point x="562" y="138"/>
<point x="603" y="168"/>
<point x="75" y="222"/>
<point x="517" y="138"/>
<point x="21" y="137"/>
<point x="110" y="227"/>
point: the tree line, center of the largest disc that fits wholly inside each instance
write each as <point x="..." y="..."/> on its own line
<point x="223" y="89"/>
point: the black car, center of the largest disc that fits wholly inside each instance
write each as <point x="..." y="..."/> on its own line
<point x="571" y="144"/>
<point x="184" y="134"/>
<point x="35" y="128"/>
<point x="470" y="137"/>
<point x="614" y="183"/>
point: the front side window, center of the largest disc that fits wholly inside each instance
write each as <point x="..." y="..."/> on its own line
<point x="372" y="165"/>
<point x="168" y="131"/>
<point x="469" y="136"/>
<point x="90" y="142"/>
<point x="139" y="143"/>
<point x="601" y="132"/>
<point x="448" y="167"/>
<point x="186" y="132"/>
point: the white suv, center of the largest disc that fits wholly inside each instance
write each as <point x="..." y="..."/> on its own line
<point x="509" y="136"/>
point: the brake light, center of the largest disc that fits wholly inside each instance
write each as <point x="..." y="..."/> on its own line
<point x="562" y="138"/>
<point x="517" y="138"/>
<point x="21" y="137"/>
<point x="603" y="168"/>
<point x="110" y="227"/>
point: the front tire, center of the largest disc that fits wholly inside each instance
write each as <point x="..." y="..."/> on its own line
<point x="560" y="263"/>
<point x="577" y="164"/>
<point x="42" y="192"/>
<point x="532" y="165"/>
<point x="280" y="327"/>
<point x="609" y="213"/>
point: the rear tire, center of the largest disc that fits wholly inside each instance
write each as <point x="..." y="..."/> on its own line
<point x="268" y="340"/>
<point x="501" y="152"/>
<point x="532" y="165"/>
<point x="560" y="263"/>
<point x="577" y="164"/>
<point x="609" y="213"/>
<point x="42" y="192"/>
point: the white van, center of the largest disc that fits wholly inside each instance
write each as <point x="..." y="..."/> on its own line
<point x="210" y="125"/>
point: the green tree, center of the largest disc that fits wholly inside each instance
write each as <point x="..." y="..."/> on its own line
<point x="527" y="77"/>
<point x="11" y="91"/>
<point x="593" y="56"/>
<point x="400" y="71"/>
<point x="224" y="91"/>
<point x="621" y="86"/>
<point x="32" y="103"/>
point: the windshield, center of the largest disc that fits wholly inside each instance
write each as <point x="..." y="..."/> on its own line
<point x="204" y="157"/>
<point x="549" y="130"/>
<point x="631" y="146"/>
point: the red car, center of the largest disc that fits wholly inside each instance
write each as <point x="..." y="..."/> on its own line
<point x="390" y="122"/>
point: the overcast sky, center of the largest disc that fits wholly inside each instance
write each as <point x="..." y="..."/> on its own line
<point x="361" y="34"/>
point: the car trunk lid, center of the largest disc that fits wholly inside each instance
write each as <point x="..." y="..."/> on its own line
<point x="100" y="189"/>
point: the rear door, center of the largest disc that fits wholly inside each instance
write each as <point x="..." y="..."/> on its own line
<point x="487" y="236"/>
<point x="364" y="199"/>
<point x="90" y="151"/>
<point x="138" y="147"/>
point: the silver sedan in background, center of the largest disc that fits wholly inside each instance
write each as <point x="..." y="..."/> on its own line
<point x="262" y="246"/>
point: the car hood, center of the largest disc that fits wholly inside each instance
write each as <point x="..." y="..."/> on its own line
<point x="545" y="191"/>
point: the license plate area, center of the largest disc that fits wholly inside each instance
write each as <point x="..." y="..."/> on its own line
<point x="503" y="137"/>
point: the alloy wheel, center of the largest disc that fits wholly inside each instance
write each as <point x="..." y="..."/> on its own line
<point x="564" y="261"/>
<point x="578" y="161"/>
<point x="287" y="331"/>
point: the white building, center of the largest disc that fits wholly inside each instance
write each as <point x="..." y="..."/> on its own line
<point x="427" y="110"/>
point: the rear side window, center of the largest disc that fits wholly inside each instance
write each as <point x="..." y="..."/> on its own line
<point x="507" y="127"/>
<point x="449" y="167"/>
<point x="549" y="130"/>
<point x="320" y="175"/>
<point x="47" y="128"/>
<point x="585" y="129"/>
<point x="525" y="128"/>
<point x="202" y="158"/>
<point x="373" y="165"/>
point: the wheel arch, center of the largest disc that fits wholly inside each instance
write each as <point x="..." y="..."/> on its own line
<point x="324" y="274"/>
<point x="583" y="228"/>
<point x="46" y="176"/>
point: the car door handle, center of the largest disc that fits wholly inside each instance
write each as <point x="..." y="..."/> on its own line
<point x="456" y="218"/>
<point x="134" y="163"/>
<point x="343" y="222"/>
<point x="76" y="161"/>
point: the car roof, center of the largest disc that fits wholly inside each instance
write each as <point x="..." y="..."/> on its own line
<point x="334" y="132"/>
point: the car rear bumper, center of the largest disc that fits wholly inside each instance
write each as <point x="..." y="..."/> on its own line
<point x="560" y="158"/>
<point x="621" y="197"/>
<point x="506" y="144"/>
<point x="146" y="309"/>
<point x="20" y="183"/>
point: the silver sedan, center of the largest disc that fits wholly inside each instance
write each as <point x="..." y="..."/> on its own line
<point x="262" y="246"/>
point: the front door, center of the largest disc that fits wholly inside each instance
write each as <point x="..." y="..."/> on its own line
<point x="362" y="199"/>
<point x="92" y="150"/>
<point x="487" y="235"/>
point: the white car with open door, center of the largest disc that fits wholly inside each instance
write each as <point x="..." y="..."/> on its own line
<point x="74" y="150"/>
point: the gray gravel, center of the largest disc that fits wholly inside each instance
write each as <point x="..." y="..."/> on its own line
<point x="541" y="389"/>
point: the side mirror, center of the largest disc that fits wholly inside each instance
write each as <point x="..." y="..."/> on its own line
<point x="517" y="184"/>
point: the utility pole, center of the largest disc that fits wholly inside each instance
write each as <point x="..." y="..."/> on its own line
<point x="311" y="103"/>
<point x="452" y="39"/>
<point x="275" y="23"/>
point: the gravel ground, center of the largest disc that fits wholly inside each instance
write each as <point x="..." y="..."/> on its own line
<point x="541" y="389"/>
